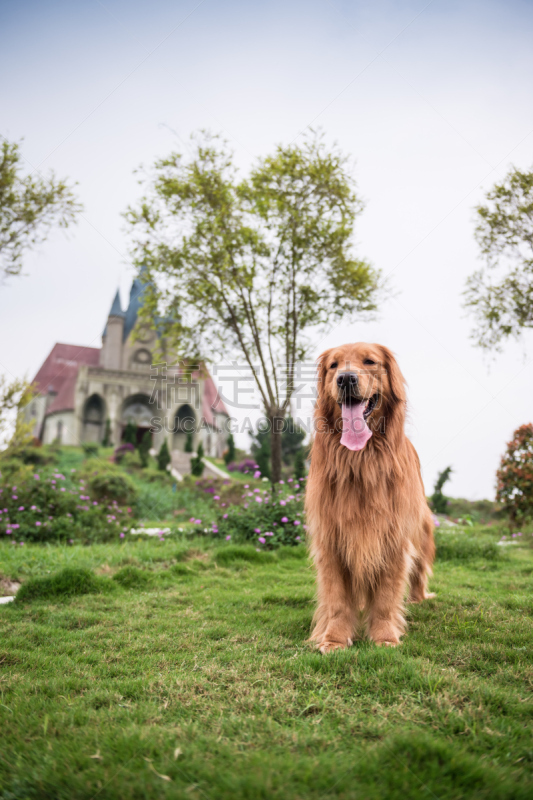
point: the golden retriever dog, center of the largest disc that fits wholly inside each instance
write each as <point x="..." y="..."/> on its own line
<point x="370" y="527"/>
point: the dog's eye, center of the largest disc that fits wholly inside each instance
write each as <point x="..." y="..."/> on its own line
<point x="334" y="365"/>
<point x="369" y="363"/>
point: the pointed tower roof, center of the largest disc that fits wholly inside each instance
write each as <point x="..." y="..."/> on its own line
<point x="115" y="310"/>
<point x="130" y="315"/>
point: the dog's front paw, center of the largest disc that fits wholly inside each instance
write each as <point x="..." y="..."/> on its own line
<point x="387" y="643"/>
<point x="329" y="647"/>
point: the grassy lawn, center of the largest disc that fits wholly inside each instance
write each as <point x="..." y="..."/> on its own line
<point x="184" y="673"/>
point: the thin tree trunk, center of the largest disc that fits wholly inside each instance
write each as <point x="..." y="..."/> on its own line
<point x="276" y="420"/>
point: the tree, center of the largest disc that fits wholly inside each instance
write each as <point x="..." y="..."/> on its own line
<point x="255" y="267"/>
<point x="15" y="395"/>
<point x="438" y="501"/>
<point x="144" y="447"/>
<point x="514" y="479"/>
<point x="500" y="294"/>
<point x="29" y="208"/>
<point x="229" y="455"/>
<point x="189" y="444"/>
<point x="197" y="463"/>
<point x="163" y="457"/>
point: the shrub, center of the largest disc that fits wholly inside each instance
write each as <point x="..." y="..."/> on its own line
<point x="465" y="548"/>
<point x="197" y="463"/>
<point x="90" y="448"/>
<point x="269" y="522"/>
<point x="144" y="447"/>
<point x="112" y="485"/>
<point x="229" y="455"/>
<point x="121" y="451"/>
<point x="299" y="464"/>
<point x="246" y="466"/>
<point x="439" y="502"/>
<point x="69" y="582"/>
<point x="106" y="441"/>
<point x="130" y="434"/>
<point x="163" y="458"/>
<point x="514" y="487"/>
<point x="189" y="445"/>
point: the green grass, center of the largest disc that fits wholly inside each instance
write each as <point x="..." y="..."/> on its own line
<point x="179" y="669"/>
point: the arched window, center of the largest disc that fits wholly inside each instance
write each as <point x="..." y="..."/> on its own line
<point x="184" y="426"/>
<point x="93" y="419"/>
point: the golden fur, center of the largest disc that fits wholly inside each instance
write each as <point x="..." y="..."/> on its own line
<point x="370" y="527"/>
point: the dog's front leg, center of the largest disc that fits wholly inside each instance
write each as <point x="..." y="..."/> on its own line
<point x="335" y="616"/>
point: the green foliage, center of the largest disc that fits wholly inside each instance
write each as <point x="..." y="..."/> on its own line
<point x="144" y="448"/>
<point x="69" y="582"/>
<point x="130" y="577"/>
<point x="514" y="479"/>
<point x="106" y="441"/>
<point x="462" y="547"/>
<point x="29" y="208"/>
<point x="439" y="502"/>
<point x="500" y="294"/>
<point x="299" y="464"/>
<point x="90" y="448"/>
<point x="268" y="521"/>
<point x="189" y="444"/>
<point x="130" y="434"/>
<point x="197" y="463"/>
<point x="163" y="457"/>
<point x="252" y="265"/>
<point x="112" y="484"/>
<point x="292" y="436"/>
<point x="15" y="396"/>
<point x="229" y="455"/>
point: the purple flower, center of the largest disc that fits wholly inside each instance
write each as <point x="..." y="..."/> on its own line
<point x="257" y="474"/>
<point x="296" y="522"/>
<point x="33" y="508"/>
<point x="38" y="523"/>
<point x="284" y="519"/>
<point x="298" y="538"/>
<point x="197" y="521"/>
<point x="282" y="481"/>
<point x="22" y="543"/>
<point x="258" y="499"/>
<point x="37" y="477"/>
<point x="282" y="503"/>
<point x="261" y="539"/>
<point x="216" y="497"/>
<point x="121" y="535"/>
<point x="228" y="538"/>
<point x="63" y="489"/>
<point x="21" y="508"/>
<point x="225" y="516"/>
<point x="257" y="530"/>
<point x="14" y="497"/>
<point x="8" y="531"/>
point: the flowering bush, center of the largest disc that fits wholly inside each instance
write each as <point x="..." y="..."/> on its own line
<point x="121" y="451"/>
<point x="265" y="519"/>
<point x="107" y="481"/>
<point x="246" y="466"/>
<point x="514" y="488"/>
<point x="44" y="507"/>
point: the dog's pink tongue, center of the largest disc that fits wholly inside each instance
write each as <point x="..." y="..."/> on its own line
<point x="355" y="431"/>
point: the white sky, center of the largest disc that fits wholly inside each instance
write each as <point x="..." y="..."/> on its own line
<point x="433" y="100"/>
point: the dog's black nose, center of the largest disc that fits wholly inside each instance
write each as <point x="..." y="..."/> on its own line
<point x="347" y="380"/>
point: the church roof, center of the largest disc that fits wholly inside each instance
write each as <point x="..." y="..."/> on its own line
<point x="133" y="307"/>
<point x="59" y="372"/>
<point x="116" y="308"/>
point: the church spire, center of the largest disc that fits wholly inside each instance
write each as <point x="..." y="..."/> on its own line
<point x="116" y="308"/>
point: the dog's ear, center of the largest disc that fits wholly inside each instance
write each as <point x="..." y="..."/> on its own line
<point x="396" y="379"/>
<point x="322" y="371"/>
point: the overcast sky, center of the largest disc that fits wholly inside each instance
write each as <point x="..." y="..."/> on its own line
<point x="433" y="101"/>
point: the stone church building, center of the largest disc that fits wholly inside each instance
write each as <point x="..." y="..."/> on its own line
<point x="84" y="390"/>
